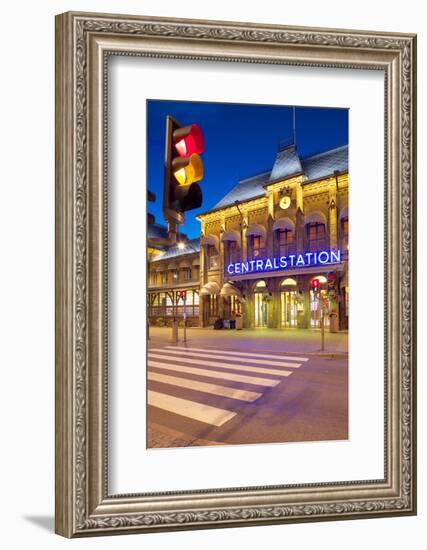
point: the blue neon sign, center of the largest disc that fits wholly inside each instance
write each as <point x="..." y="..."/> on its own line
<point x="324" y="257"/>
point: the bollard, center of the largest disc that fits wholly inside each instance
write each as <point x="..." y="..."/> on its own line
<point x="174" y="335"/>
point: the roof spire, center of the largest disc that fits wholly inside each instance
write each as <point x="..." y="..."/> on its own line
<point x="294" y="127"/>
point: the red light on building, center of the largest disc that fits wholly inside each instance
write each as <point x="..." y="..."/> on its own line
<point x="188" y="140"/>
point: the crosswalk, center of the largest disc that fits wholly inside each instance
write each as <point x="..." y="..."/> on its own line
<point x="204" y="375"/>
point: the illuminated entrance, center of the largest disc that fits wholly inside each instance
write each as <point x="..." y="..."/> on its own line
<point x="316" y="300"/>
<point x="288" y="303"/>
<point x="261" y="306"/>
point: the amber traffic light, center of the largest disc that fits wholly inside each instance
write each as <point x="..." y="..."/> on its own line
<point x="183" y="169"/>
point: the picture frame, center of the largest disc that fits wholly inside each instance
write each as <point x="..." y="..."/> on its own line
<point x="84" y="41"/>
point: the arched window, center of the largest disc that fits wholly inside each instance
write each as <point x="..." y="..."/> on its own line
<point x="232" y="252"/>
<point x="260" y="286"/>
<point x="288" y="282"/>
<point x="257" y="246"/>
<point x="212" y="256"/>
<point x="316" y="236"/>
<point x="284" y="242"/>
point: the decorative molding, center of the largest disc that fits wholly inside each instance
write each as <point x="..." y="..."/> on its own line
<point x="83" y="27"/>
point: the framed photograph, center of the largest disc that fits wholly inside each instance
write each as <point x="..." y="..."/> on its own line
<point x="230" y="349"/>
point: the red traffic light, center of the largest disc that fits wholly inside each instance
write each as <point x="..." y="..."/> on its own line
<point x="183" y="294"/>
<point x="188" y="140"/>
<point x="315" y="284"/>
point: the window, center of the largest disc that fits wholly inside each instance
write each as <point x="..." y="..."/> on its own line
<point x="232" y="252"/>
<point x="344" y="234"/>
<point x="164" y="278"/>
<point x="285" y="242"/>
<point x="212" y="257"/>
<point x="258" y="246"/>
<point x="316" y="235"/>
<point x="187" y="274"/>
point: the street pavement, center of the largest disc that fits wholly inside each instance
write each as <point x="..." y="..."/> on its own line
<point x="224" y="393"/>
<point x="278" y="340"/>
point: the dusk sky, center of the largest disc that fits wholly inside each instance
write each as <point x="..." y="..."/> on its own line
<point x="241" y="140"/>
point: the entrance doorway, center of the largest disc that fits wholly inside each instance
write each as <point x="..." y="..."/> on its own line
<point x="261" y="306"/>
<point x="288" y="303"/>
<point x="288" y="310"/>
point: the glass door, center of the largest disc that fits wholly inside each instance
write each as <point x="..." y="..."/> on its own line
<point x="261" y="310"/>
<point x="288" y="308"/>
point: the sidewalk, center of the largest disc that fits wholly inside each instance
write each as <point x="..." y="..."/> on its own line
<point x="292" y="341"/>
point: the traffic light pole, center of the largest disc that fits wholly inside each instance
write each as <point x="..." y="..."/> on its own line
<point x="322" y="330"/>
<point x="185" y="319"/>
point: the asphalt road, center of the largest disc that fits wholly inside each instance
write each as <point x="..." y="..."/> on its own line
<point x="202" y="396"/>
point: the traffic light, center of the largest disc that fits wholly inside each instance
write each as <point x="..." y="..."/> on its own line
<point x="183" y="169"/>
<point x="315" y="285"/>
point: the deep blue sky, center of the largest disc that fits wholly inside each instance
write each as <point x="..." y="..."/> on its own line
<point x="240" y="141"/>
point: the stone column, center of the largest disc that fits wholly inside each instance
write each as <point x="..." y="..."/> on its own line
<point x="299" y="230"/>
<point x="333" y="222"/>
<point x="244" y="248"/>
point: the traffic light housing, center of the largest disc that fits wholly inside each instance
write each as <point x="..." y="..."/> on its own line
<point x="183" y="170"/>
<point x="315" y="285"/>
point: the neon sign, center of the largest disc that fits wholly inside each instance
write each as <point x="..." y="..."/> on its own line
<point x="324" y="257"/>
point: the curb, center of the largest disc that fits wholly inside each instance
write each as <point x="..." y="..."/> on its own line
<point x="325" y="354"/>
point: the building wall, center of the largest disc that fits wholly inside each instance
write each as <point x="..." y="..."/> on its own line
<point x="325" y="199"/>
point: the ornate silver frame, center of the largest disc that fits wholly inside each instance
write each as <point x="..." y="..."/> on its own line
<point x="83" y="42"/>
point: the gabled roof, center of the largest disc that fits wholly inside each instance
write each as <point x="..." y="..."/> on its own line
<point x="245" y="189"/>
<point x="324" y="164"/>
<point x="287" y="164"/>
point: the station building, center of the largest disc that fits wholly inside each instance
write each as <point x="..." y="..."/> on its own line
<point x="172" y="270"/>
<point x="262" y="246"/>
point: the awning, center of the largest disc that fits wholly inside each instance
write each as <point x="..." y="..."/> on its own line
<point x="315" y="217"/>
<point x="210" y="240"/>
<point x="256" y="229"/>
<point x="284" y="223"/>
<point x="231" y="235"/>
<point x="230" y="290"/>
<point x="209" y="288"/>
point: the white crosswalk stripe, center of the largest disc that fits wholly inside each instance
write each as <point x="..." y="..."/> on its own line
<point x="190" y="409"/>
<point x="205" y="387"/>
<point x="223" y="355"/>
<point x="232" y="368"/>
<point x="268" y="382"/>
<point x="238" y="366"/>
<point x="242" y="354"/>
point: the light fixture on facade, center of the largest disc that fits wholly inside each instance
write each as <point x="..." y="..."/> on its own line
<point x="181" y="245"/>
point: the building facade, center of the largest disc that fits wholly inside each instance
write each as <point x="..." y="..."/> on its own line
<point x="266" y="241"/>
<point x="173" y="281"/>
<point x="273" y="251"/>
